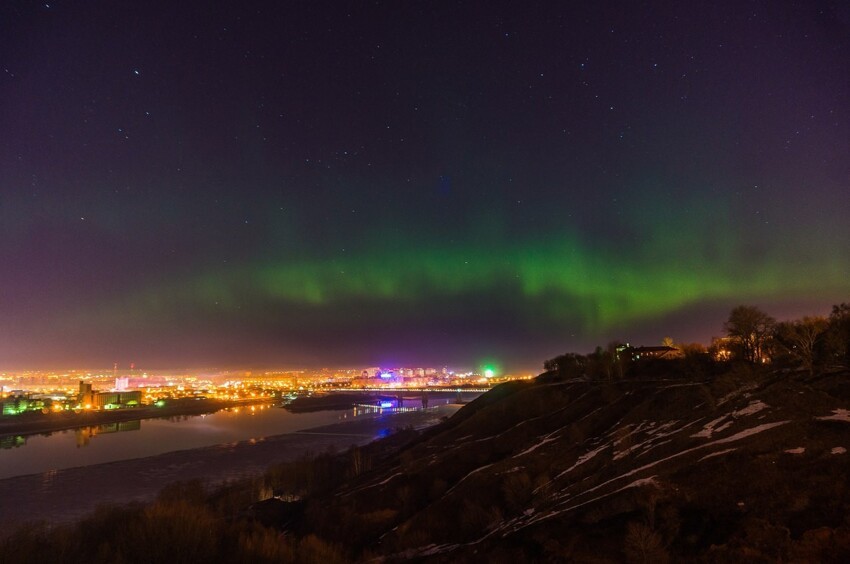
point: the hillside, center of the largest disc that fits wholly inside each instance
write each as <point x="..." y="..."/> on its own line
<point x="737" y="466"/>
<point x="741" y="467"/>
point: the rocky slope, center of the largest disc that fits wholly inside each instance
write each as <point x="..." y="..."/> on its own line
<point x="744" y="466"/>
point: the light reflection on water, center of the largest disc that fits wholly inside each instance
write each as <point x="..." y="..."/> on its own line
<point x="136" y="439"/>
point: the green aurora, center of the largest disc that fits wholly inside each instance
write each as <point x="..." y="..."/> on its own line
<point x="564" y="283"/>
<point x="319" y="185"/>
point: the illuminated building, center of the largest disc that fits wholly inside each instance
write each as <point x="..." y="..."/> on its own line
<point x="85" y="395"/>
<point x="112" y="400"/>
<point x="107" y="400"/>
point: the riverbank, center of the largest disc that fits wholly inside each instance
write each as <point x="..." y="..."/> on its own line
<point x="66" y="495"/>
<point x="34" y="423"/>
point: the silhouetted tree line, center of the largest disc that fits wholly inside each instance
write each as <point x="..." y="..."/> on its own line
<point x="240" y="521"/>
<point x="184" y="525"/>
<point x="811" y="343"/>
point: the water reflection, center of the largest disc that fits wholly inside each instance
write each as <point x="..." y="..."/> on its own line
<point x="84" y="435"/>
<point x="108" y="442"/>
<point x="12" y="441"/>
<point x="47" y="479"/>
<point x="223" y="429"/>
<point x="370" y="407"/>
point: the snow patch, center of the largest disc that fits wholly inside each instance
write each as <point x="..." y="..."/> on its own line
<point x="662" y="429"/>
<point x="582" y="459"/>
<point x="625" y="452"/>
<point x="588" y="415"/>
<point x="724" y="426"/>
<point x="479" y="469"/>
<point x="656" y="445"/>
<point x="837" y="415"/>
<point x="734" y="393"/>
<point x="736" y="437"/>
<point x="535" y="447"/>
<point x="838" y="450"/>
<point x="798" y="450"/>
<point x="650" y="481"/>
<point x="749" y="432"/>
<point x="753" y="408"/>
<point x="388" y="479"/>
<point x="718" y="453"/>
<point x="708" y="428"/>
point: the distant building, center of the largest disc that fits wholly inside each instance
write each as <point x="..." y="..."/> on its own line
<point x="88" y="398"/>
<point x="653" y="352"/>
<point x="637" y="353"/>
<point x="113" y="400"/>
<point x="85" y="395"/>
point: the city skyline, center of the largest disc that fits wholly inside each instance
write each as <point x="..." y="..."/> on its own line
<point x="316" y="185"/>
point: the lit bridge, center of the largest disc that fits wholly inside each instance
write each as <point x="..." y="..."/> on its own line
<point x="412" y="390"/>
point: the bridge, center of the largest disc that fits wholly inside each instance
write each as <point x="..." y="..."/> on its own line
<point x="478" y="390"/>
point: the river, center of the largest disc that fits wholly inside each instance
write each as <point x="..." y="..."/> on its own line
<point x="97" y="444"/>
<point x="63" y="476"/>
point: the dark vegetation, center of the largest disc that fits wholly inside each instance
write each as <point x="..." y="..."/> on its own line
<point x="735" y="453"/>
<point x="752" y="337"/>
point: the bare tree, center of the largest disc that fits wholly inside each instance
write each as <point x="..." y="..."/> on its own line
<point x="799" y="337"/>
<point x="751" y="329"/>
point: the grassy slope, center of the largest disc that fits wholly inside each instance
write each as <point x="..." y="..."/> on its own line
<point x="603" y="471"/>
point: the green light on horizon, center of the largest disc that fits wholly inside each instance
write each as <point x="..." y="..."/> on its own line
<point x="555" y="280"/>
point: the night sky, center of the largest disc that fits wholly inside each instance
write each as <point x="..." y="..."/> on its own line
<point x="302" y="184"/>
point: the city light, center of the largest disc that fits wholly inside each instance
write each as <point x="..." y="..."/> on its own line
<point x="53" y="393"/>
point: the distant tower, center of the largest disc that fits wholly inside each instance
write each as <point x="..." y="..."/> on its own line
<point x="115" y="370"/>
<point x="86" y="395"/>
